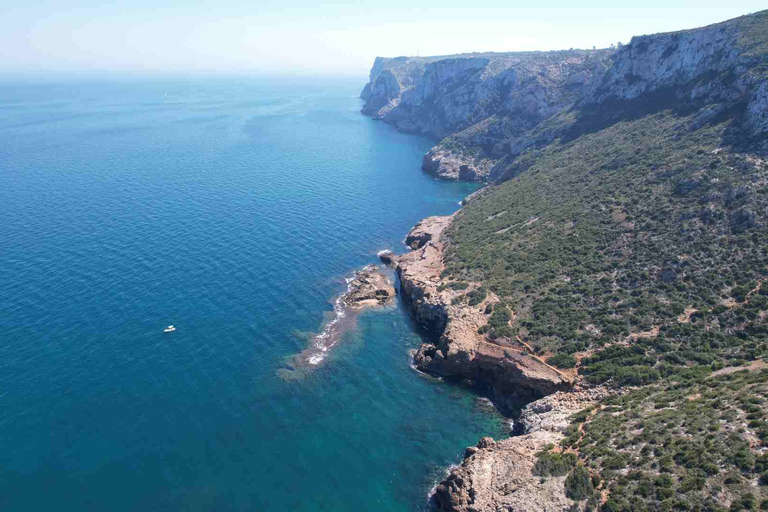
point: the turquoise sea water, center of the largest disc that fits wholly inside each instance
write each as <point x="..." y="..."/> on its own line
<point x="233" y="209"/>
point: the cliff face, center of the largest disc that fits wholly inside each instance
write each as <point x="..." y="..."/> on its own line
<point x="477" y="99"/>
<point x="488" y="108"/>
<point x="651" y="63"/>
<point x="460" y="351"/>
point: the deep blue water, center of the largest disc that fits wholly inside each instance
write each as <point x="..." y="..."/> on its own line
<point x="233" y="209"/>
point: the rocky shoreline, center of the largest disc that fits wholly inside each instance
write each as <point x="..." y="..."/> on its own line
<point x="368" y="288"/>
<point x="494" y="475"/>
<point x="499" y="475"/>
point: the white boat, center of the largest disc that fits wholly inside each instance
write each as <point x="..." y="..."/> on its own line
<point x="170" y="328"/>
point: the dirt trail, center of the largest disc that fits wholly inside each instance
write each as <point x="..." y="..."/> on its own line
<point x="533" y="355"/>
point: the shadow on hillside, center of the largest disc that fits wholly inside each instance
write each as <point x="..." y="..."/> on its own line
<point x="597" y="117"/>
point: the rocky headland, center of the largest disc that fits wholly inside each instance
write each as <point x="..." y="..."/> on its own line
<point x="458" y="350"/>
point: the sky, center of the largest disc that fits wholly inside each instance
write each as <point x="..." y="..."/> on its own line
<point x="306" y="36"/>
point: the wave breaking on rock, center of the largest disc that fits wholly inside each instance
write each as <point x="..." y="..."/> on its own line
<point x="369" y="287"/>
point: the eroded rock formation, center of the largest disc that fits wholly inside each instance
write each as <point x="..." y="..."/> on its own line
<point x="369" y="288"/>
<point x="499" y="475"/>
<point x="459" y="351"/>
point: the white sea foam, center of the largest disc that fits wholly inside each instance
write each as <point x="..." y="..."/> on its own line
<point x="446" y="474"/>
<point x="383" y="251"/>
<point x="332" y="330"/>
<point x="315" y="358"/>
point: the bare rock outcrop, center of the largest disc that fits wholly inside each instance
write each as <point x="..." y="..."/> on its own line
<point x="369" y="288"/>
<point x="456" y="165"/>
<point x="426" y="230"/>
<point x="552" y="413"/>
<point x="458" y="351"/>
<point x="498" y="475"/>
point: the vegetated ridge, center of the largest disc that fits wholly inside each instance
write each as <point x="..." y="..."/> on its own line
<point x="615" y="265"/>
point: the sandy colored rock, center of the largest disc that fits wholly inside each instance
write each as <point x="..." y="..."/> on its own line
<point x="498" y="475"/>
<point x="426" y="230"/>
<point x="369" y="288"/>
<point x="458" y="350"/>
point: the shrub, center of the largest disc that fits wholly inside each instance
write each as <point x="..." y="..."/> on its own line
<point x="554" y="464"/>
<point x="500" y="317"/>
<point x="562" y="361"/>
<point x="578" y="485"/>
<point x="477" y="296"/>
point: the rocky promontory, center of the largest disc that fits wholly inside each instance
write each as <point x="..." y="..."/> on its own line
<point x="368" y="287"/>
<point x="504" y="366"/>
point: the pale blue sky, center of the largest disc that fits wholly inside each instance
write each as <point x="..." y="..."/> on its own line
<point x="200" y="36"/>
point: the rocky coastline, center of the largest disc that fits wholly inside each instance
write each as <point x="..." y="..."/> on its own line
<point x="499" y="474"/>
<point x="504" y="366"/>
<point x="494" y="475"/>
<point x="490" y="112"/>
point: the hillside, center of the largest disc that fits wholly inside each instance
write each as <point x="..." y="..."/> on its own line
<point x="620" y="248"/>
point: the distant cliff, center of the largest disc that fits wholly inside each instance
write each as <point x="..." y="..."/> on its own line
<point x="486" y="108"/>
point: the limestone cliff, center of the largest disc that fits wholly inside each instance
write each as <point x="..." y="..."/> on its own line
<point x="488" y="108"/>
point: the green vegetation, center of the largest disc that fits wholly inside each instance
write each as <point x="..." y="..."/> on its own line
<point x="578" y="485"/>
<point x="632" y="232"/>
<point x="554" y="463"/>
<point x="629" y="240"/>
<point x="562" y="361"/>
<point x="681" y="444"/>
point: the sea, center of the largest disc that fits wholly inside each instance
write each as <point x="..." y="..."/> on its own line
<point x="233" y="208"/>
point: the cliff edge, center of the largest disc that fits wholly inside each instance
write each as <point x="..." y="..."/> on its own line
<point x="454" y="315"/>
<point x="485" y="108"/>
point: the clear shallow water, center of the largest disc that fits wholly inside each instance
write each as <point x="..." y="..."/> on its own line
<point x="233" y="209"/>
